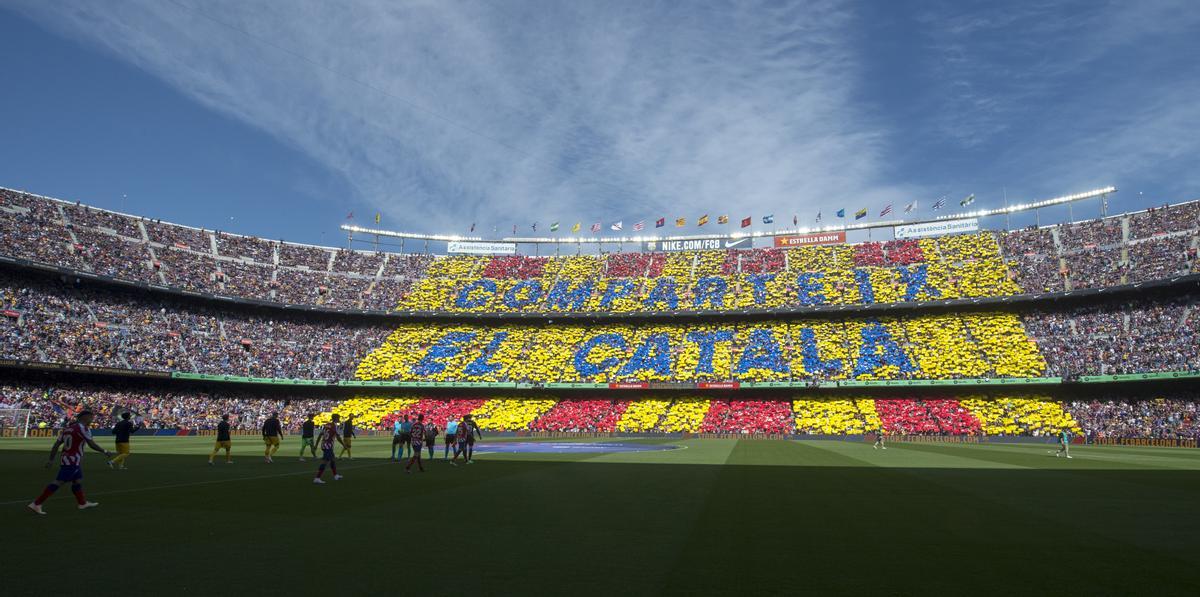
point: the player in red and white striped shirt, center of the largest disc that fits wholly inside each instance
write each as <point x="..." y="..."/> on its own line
<point x="329" y="434"/>
<point x="70" y="465"/>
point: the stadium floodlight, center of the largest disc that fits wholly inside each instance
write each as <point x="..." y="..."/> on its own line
<point x="1034" y="205"/>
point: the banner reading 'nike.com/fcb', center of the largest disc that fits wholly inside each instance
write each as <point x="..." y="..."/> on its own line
<point x="702" y="244"/>
<point x="804" y="240"/>
<point x="937" y="228"/>
<point x="476" y="248"/>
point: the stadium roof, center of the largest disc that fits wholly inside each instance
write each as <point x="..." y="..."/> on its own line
<point x="1019" y="207"/>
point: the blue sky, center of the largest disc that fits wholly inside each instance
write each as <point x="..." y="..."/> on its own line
<point x="277" y="119"/>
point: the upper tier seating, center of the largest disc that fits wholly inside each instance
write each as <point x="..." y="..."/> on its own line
<point x="1145" y="246"/>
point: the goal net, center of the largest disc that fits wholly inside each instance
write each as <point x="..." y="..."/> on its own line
<point x="14" y="422"/>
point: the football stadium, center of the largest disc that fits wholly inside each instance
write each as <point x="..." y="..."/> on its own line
<point x="897" y="397"/>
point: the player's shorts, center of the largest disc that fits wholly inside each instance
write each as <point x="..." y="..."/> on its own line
<point x="471" y="440"/>
<point x="405" y="438"/>
<point x="306" y="441"/>
<point x="417" y="447"/>
<point x="271" y="440"/>
<point x="396" y="440"/>
<point x="122" y="447"/>
<point x="346" y="440"/>
<point x="225" y="444"/>
<point x="462" y="441"/>
<point x="69" y="473"/>
<point x="326" y="453"/>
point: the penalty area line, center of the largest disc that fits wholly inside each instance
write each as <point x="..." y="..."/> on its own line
<point x="200" y="483"/>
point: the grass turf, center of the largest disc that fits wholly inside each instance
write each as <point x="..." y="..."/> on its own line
<point x="721" y="516"/>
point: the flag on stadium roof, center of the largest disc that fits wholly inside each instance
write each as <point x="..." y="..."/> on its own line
<point x="377" y="217"/>
<point x="769" y="219"/>
<point x="745" y="222"/>
<point x="659" y="223"/>
<point x="640" y="225"/>
<point x="514" y="228"/>
<point x="818" y="217"/>
<point x="596" y="227"/>
<point x="722" y="219"/>
<point x="703" y="220"/>
<point x="968" y="200"/>
<point x="860" y="214"/>
<point x="795" y="220"/>
<point x="533" y="226"/>
<point x="472" y="226"/>
<point x="886" y="210"/>
<point x="575" y="228"/>
<point x="680" y="222"/>
<point x="911" y="206"/>
<point x="617" y="225"/>
<point x="940" y="203"/>
<point x="554" y="227"/>
<point x="841" y="213"/>
<point x="350" y="216"/>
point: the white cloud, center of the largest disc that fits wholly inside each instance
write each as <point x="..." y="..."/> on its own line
<point x="514" y="112"/>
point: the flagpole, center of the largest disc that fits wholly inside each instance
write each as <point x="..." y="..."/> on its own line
<point x="1006" y="213"/>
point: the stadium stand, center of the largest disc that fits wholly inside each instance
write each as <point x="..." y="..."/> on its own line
<point x="50" y="318"/>
<point x="1139" y="247"/>
<point x="1169" y="415"/>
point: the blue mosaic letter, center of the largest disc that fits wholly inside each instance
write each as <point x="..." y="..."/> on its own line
<point x="759" y="283"/>
<point x="762" y="352"/>
<point x="659" y="361"/>
<point x="879" y="349"/>
<point x="563" y="298"/>
<point x="812" y="359"/>
<point x="513" y="298"/>
<point x="481" y="366"/>
<point x="445" y="348"/>
<point x="711" y="290"/>
<point x="664" y="290"/>
<point x="810" y="289"/>
<point x="915" y="280"/>
<point x="588" y="369"/>
<point x="464" y="300"/>
<point x="616" y="289"/>
<point x="707" y="341"/>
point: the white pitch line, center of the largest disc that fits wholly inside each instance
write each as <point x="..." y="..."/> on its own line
<point x="198" y="483"/>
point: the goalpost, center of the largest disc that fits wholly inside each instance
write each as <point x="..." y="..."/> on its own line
<point x="14" y="422"/>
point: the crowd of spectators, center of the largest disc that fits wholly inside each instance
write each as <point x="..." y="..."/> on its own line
<point x="1138" y="336"/>
<point x="55" y="321"/>
<point x="581" y="416"/>
<point x="110" y="244"/>
<point x="1096" y="268"/>
<point x="1096" y="233"/>
<point x="1176" y="416"/>
<point x="900" y="270"/>
<point x="1164" y="220"/>
<point x="1160" y="258"/>
<point x="52" y="405"/>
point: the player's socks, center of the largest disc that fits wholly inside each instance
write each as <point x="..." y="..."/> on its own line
<point x="333" y="467"/>
<point x="77" y="489"/>
<point x="46" y="493"/>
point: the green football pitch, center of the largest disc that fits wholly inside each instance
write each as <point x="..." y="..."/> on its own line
<point x="709" y="517"/>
